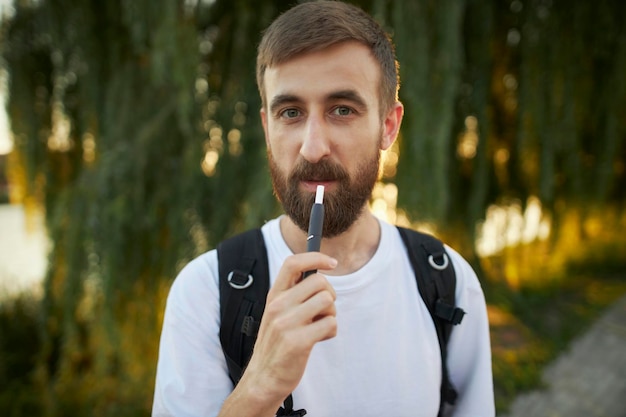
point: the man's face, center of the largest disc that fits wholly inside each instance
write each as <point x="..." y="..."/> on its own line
<point x="323" y="126"/>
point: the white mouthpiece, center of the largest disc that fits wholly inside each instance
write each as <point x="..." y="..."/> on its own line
<point x="319" y="194"/>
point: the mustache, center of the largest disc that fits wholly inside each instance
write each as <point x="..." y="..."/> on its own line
<point x="323" y="170"/>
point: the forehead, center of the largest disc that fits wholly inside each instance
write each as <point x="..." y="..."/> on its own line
<point x="314" y="75"/>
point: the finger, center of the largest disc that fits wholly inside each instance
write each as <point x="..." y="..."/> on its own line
<point x="322" y="305"/>
<point x="294" y="265"/>
<point x="323" y="329"/>
<point x="309" y="287"/>
<point x="304" y="326"/>
<point x="298" y="305"/>
<point x="317" y="307"/>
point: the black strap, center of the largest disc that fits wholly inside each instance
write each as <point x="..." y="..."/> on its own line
<point x="241" y="258"/>
<point x="287" y="409"/>
<point x="244" y="284"/>
<point x="436" y="282"/>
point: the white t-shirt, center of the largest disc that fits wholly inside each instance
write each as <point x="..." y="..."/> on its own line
<point x="384" y="361"/>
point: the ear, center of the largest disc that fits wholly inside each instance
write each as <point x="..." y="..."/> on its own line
<point x="264" y="123"/>
<point x="391" y="125"/>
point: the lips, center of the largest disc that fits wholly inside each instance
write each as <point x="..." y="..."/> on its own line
<point x="319" y="179"/>
<point x="308" y="176"/>
<point x="311" y="185"/>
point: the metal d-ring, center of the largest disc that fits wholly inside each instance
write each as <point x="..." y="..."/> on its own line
<point x="435" y="265"/>
<point x="239" y="286"/>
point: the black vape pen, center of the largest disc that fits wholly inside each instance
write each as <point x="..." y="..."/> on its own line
<point x="316" y="223"/>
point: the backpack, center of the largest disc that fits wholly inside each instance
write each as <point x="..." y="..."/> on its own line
<point x="244" y="284"/>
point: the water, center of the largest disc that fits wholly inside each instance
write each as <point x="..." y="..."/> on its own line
<point x="23" y="249"/>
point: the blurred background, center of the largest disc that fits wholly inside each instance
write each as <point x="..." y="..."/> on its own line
<point x="131" y="143"/>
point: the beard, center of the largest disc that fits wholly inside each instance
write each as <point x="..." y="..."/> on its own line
<point x="342" y="206"/>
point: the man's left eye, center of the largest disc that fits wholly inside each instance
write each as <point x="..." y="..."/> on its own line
<point x="290" y="113"/>
<point x="342" y="111"/>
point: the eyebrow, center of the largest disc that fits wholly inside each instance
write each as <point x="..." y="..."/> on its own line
<point x="349" y="95"/>
<point x="281" y="99"/>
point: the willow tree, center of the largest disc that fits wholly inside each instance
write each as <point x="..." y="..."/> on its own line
<point x="572" y="80"/>
<point x="429" y="48"/>
<point x="136" y="123"/>
<point x="506" y="100"/>
<point x="559" y="89"/>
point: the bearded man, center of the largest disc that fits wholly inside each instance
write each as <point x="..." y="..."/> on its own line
<point x="355" y="338"/>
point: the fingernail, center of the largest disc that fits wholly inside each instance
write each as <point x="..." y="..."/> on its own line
<point x="333" y="262"/>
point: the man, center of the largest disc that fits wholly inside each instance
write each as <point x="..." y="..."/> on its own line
<point x="354" y="339"/>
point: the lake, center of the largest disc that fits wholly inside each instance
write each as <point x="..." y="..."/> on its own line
<point x="23" y="250"/>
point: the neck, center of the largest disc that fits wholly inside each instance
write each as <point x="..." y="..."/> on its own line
<point x="352" y="249"/>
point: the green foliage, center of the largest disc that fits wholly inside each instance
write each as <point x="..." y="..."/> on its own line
<point x="20" y="344"/>
<point x="429" y="47"/>
<point x="4" y="186"/>
<point x="136" y="126"/>
<point x="113" y="106"/>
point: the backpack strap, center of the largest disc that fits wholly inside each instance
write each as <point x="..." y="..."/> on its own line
<point x="436" y="282"/>
<point x="244" y="284"/>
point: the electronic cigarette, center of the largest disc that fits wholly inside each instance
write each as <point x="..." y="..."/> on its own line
<point x="316" y="223"/>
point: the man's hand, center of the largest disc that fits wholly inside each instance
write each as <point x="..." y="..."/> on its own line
<point x="298" y="314"/>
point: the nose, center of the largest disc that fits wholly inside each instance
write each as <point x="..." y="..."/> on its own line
<point x="316" y="141"/>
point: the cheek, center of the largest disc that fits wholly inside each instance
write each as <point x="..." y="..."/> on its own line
<point x="284" y="147"/>
<point x="363" y="143"/>
<point x="281" y="156"/>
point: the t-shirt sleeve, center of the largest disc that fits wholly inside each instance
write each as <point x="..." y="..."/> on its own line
<point x="192" y="375"/>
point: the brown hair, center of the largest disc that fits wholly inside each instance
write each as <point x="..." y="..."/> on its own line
<point x="316" y="25"/>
